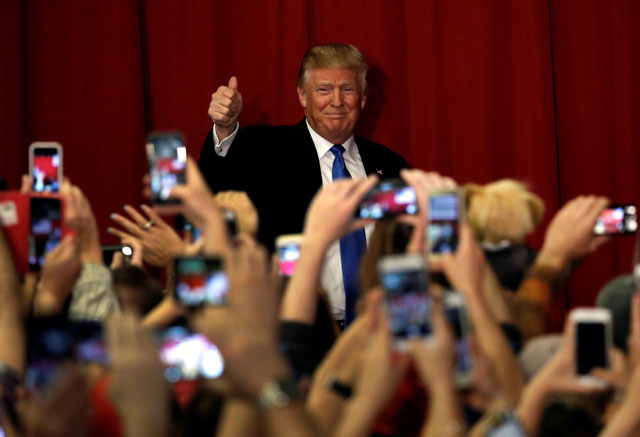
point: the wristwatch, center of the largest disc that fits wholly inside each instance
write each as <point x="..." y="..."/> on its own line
<point x="277" y="394"/>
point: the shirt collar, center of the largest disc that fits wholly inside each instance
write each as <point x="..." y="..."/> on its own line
<point x="323" y="146"/>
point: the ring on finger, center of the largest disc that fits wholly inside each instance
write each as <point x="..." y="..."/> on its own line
<point x="148" y="224"/>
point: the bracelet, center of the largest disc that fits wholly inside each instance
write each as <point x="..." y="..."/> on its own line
<point x="333" y="384"/>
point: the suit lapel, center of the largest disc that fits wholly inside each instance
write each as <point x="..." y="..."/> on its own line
<point x="368" y="155"/>
<point x="307" y="155"/>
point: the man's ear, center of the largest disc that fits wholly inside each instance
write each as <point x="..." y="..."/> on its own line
<point x="302" y="98"/>
<point x="363" y="99"/>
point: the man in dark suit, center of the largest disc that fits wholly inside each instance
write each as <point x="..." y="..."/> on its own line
<point x="282" y="167"/>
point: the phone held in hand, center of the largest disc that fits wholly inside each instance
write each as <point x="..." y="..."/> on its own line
<point x="406" y="283"/>
<point x="45" y="229"/>
<point x="45" y="166"/>
<point x="288" y="249"/>
<point x="188" y="355"/>
<point x="200" y="280"/>
<point x="388" y="198"/>
<point x="167" y="156"/>
<point x="617" y="220"/>
<point x="593" y="340"/>
<point x="53" y="341"/>
<point x="231" y="221"/>
<point x="456" y="312"/>
<point x="446" y="211"/>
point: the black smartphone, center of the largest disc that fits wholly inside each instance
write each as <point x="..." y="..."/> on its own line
<point x="593" y="340"/>
<point x="45" y="166"/>
<point x="109" y="251"/>
<point x="167" y="156"/>
<point x="443" y="228"/>
<point x="52" y="341"/>
<point x="188" y="355"/>
<point x="45" y="229"/>
<point x="387" y="199"/>
<point x="200" y="280"/>
<point x="617" y="220"/>
<point x="231" y="220"/>
<point x="456" y="311"/>
<point x="406" y="284"/>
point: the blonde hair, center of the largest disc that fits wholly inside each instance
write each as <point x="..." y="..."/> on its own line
<point x="502" y="210"/>
<point x="333" y="56"/>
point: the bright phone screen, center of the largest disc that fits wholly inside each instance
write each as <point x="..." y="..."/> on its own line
<point x="167" y="162"/>
<point x="444" y="216"/>
<point x="45" y="230"/>
<point x="408" y="303"/>
<point x="46" y="165"/>
<point x="201" y="280"/>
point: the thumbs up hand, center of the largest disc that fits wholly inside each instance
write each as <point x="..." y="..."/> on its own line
<point x="225" y="107"/>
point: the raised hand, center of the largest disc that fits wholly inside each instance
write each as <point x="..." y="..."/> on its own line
<point x="160" y="243"/>
<point x="570" y="233"/>
<point x="225" y="107"/>
<point x="330" y="215"/>
<point x="246" y="213"/>
<point x="138" y="388"/>
<point x="61" y="268"/>
<point x="422" y="182"/>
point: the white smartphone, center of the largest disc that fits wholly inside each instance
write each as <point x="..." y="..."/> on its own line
<point x="406" y="283"/>
<point x="167" y="156"/>
<point x="45" y="166"/>
<point x="456" y="311"/>
<point x="288" y="249"/>
<point x="446" y="211"/>
<point x="593" y="341"/>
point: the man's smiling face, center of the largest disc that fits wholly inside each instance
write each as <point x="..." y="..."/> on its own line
<point x="332" y="100"/>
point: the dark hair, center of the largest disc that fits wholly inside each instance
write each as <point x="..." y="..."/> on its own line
<point x="148" y="291"/>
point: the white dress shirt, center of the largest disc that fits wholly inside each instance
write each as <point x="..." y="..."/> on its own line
<point x="331" y="276"/>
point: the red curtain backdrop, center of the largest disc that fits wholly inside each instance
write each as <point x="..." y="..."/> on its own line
<point x="477" y="89"/>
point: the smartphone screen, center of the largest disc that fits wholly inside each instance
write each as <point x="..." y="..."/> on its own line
<point x="591" y="346"/>
<point x="617" y="219"/>
<point x="188" y="356"/>
<point x="201" y="281"/>
<point x="45" y="230"/>
<point x="53" y="341"/>
<point x="167" y="157"/>
<point x="388" y="198"/>
<point x="407" y="301"/>
<point x="444" y="218"/>
<point x="231" y="221"/>
<point x="457" y="316"/>
<point x="46" y="169"/>
<point x="288" y="256"/>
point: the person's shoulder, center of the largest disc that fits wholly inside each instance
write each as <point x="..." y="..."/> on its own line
<point x="267" y="130"/>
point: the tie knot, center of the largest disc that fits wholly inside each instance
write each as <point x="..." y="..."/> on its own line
<point x="337" y="150"/>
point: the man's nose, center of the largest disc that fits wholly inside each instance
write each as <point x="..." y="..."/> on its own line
<point x="337" y="99"/>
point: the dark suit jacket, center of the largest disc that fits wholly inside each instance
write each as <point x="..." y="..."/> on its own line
<point x="278" y="167"/>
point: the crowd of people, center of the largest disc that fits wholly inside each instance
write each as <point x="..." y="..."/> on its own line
<point x="342" y="383"/>
<point x="289" y="367"/>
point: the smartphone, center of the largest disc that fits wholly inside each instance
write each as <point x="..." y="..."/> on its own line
<point x="45" y="166"/>
<point x="617" y="220"/>
<point x="446" y="210"/>
<point x="45" y="229"/>
<point x="456" y="311"/>
<point x="200" y="280"/>
<point x="288" y="249"/>
<point x="52" y="341"/>
<point x="167" y="156"/>
<point x="231" y="220"/>
<point x="593" y="340"/>
<point x="388" y="198"/>
<point x="109" y="251"/>
<point x="188" y="355"/>
<point x="406" y="284"/>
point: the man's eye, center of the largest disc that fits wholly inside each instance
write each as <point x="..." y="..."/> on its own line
<point x="323" y="90"/>
<point x="350" y="90"/>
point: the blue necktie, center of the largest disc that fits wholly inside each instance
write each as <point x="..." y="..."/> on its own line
<point x="352" y="246"/>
